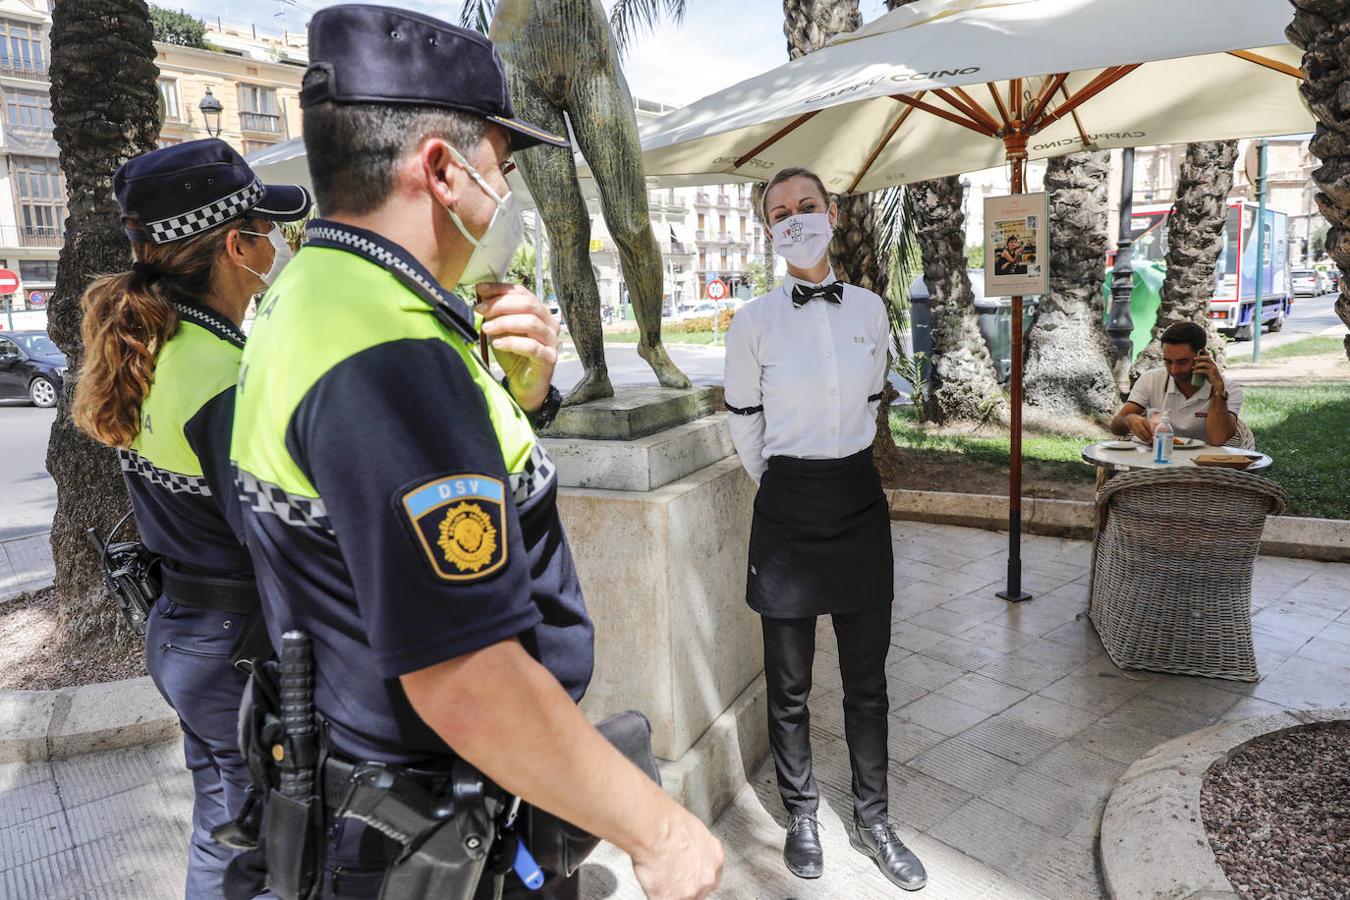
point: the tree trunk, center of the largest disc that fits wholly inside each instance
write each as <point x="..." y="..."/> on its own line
<point x="1194" y="242"/>
<point x="104" y="103"/>
<point x="1067" y="372"/>
<point x="807" y="26"/>
<point x="963" y="385"/>
<point x="1319" y="29"/>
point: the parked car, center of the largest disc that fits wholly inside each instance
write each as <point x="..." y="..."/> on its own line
<point x="1333" y="278"/>
<point x="1308" y="283"/>
<point x="31" y="367"/>
<point x="704" y="310"/>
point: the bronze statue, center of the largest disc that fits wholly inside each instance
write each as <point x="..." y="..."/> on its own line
<point x="561" y="59"/>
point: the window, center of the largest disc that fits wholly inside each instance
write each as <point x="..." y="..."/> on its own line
<point x="703" y="260"/>
<point x="169" y="108"/>
<point x="255" y="146"/>
<point x="722" y="225"/>
<point x="702" y="222"/>
<point x="38" y="270"/>
<point x="21" y="51"/>
<point x="724" y="257"/>
<point x="41" y="197"/>
<point x="258" y="109"/>
<point x="28" y="109"/>
<point x="167" y="142"/>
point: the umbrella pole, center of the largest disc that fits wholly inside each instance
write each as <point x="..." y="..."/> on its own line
<point x="1016" y="144"/>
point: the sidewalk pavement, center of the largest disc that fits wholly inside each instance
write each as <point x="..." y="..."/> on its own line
<point x="1009" y="727"/>
<point x="25" y="564"/>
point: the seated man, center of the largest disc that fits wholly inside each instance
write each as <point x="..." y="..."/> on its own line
<point x="1208" y="412"/>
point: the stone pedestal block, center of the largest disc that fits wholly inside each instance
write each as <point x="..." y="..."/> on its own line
<point x="633" y="412"/>
<point x="644" y="464"/>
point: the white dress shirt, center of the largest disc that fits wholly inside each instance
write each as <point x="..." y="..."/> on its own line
<point x="1187" y="414"/>
<point x="811" y="369"/>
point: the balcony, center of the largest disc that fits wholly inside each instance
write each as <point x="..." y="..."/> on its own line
<point x="261" y="122"/>
<point x="702" y="199"/>
<point x="22" y="236"/>
<point x="20" y="69"/>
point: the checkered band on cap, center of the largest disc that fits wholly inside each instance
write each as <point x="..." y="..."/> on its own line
<point x="206" y="217"/>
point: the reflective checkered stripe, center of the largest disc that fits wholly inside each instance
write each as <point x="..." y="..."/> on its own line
<point x="133" y="463"/>
<point x="376" y="252"/>
<point x="538" y="475"/>
<point x="263" y="497"/>
<point x="205" y="217"/>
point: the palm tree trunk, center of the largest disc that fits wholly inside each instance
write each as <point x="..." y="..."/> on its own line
<point x="807" y="25"/>
<point x="1319" y="30"/>
<point x="104" y="104"/>
<point x="1067" y="372"/>
<point x="1194" y="242"/>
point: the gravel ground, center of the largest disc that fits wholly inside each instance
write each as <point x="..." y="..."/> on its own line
<point x="35" y="657"/>
<point x="1278" y="814"/>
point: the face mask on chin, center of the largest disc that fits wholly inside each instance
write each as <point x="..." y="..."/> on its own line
<point x="281" y="255"/>
<point x="493" y="252"/>
<point x="803" y="239"/>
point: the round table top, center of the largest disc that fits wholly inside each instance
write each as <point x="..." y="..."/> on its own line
<point x="1141" y="456"/>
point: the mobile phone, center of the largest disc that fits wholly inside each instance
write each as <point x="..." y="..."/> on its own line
<point x="1198" y="379"/>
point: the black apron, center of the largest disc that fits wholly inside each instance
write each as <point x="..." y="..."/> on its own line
<point x="820" y="541"/>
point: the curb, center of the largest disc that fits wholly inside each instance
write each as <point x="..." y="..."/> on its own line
<point x="1153" y="841"/>
<point x="1327" y="540"/>
<point x="44" y="725"/>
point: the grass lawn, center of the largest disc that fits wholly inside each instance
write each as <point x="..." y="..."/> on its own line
<point x="1303" y="427"/>
<point x="1309" y="346"/>
<point x="667" y="336"/>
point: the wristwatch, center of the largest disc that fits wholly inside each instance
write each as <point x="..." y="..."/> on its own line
<point x="544" y="415"/>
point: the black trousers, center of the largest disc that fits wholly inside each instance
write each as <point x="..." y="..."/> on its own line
<point x="864" y="638"/>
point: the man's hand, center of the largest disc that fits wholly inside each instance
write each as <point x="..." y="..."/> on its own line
<point x="686" y="864"/>
<point x="524" y="339"/>
<point x="1205" y="365"/>
<point x="1140" y="427"/>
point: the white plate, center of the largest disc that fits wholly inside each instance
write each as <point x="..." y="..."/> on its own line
<point x="1189" y="443"/>
<point x="1119" y="445"/>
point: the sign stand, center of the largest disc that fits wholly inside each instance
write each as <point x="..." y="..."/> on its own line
<point x="717" y="290"/>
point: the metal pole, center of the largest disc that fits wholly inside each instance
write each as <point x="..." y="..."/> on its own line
<point x="9" y="312"/>
<point x="1260" y="230"/>
<point x="1119" y="321"/>
<point x="1013" y="591"/>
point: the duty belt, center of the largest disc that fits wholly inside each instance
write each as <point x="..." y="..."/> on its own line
<point x="227" y="595"/>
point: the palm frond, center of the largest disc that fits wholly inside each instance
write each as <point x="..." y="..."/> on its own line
<point x="632" y="16"/>
<point x="898" y="246"/>
<point x="477" y="14"/>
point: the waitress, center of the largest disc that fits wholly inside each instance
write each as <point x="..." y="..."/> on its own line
<point x="805" y="368"/>
<point x="162" y="349"/>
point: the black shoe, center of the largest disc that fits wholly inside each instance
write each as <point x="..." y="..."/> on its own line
<point x="801" y="850"/>
<point x="896" y="861"/>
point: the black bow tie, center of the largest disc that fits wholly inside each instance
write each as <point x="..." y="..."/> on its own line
<point x="832" y="293"/>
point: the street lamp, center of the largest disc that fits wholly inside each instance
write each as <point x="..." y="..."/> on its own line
<point x="1119" y="323"/>
<point x="211" y="109"/>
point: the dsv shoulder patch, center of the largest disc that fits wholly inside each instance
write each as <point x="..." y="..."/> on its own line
<point x="460" y="523"/>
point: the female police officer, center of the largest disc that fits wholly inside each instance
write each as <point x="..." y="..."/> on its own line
<point x="805" y="366"/>
<point x="162" y="358"/>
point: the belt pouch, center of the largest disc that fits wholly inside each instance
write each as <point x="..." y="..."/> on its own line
<point x="291" y="833"/>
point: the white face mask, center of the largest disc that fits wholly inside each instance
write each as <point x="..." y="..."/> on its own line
<point x="493" y="252"/>
<point x="803" y="239"/>
<point x="280" y="257"/>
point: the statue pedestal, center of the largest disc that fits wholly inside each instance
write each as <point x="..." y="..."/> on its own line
<point x="660" y="526"/>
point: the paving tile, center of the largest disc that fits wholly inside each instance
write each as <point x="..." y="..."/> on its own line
<point x="963" y="765"/>
<point x="915" y="599"/>
<point x="1321" y="649"/>
<point x="1304" y="683"/>
<point x="32" y="840"/>
<point x="1051" y="715"/>
<point x="902" y="693"/>
<point x="964" y="654"/>
<point x="979" y="605"/>
<point x="1012" y="740"/>
<point x="1021" y="673"/>
<point x="1251" y="708"/>
<point x="982" y="693"/>
<point x="921" y="671"/>
<point x="1336" y="631"/>
<point x="1074" y="764"/>
<point x="54" y="877"/>
<point x="945" y="621"/>
<point x="967" y="582"/>
<point x="992" y="835"/>
<point x="16" y="775"/>
<point x="1066" y="870"/>
<point x="1055" y="654"/>
<point x="148" y="862"/>
<point x="1285" y="622"/>
<point x="32" y="801"/>
<point x="137" y="809"/>
<point x="1098" y="694"/>
<point x="1079" y="633"/>
<point x="96" y="775"/>
<point x="1118" y="741"/>
<point x="906" y="740"/>
<point x="920" y="800"/>
<point x="941" y="714"/>
<point x="1038" y="798"/>
<point x="1199" y="694"/>
<point x="1159" y="717"/>
<point x="993" y="635"/>
<point x="914" y="638"/>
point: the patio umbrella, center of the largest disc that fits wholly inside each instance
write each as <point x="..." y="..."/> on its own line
<point x="938" y="88"/>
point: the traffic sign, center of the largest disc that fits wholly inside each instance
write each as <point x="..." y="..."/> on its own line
<point x="9" y="281"/>
<point x="717" y="289"/>
<point x="37" y="299"/>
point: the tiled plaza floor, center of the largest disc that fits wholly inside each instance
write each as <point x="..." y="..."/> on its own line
<point x="1009" y="726"/>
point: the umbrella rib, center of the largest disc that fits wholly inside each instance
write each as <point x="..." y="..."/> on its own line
<point x="1047" y="91"/>
<point x="998" y="101"/>
<point x="980" y="112"/>
<point x="1292" y="71"/>
<point x="881" y="145"/>
<point x="777" y="136"/>
<point x="1077" y="123"/>
<point x="1104" y="80"/>
<point x="961" y="107"/>
<point x="943" y="114"/>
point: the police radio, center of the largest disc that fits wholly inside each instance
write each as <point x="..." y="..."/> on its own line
<point x="129" y="571"/>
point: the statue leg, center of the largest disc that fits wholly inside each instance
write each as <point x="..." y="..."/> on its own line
<point x="551" y="174"/>
<point x="606" y="128"/>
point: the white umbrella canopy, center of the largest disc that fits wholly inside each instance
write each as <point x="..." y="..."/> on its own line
<point x="938" y="88"/>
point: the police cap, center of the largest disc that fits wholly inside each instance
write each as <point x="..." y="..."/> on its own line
<point x="379" y="54"/>
<point x="185" y="189"/>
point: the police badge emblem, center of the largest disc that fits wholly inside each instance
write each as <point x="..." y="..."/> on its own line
<point x="460" y="524"/>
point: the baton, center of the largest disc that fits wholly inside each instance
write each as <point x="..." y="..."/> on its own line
<point x="297" y="710"/>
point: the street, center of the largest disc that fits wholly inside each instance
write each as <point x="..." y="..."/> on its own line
<point x="28" y="494"/>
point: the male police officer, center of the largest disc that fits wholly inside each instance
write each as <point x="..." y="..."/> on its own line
<point x="402" y="512"/>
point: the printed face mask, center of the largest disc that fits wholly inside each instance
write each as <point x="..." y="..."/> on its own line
<point x="803" y="239"/>
<point x="493" y="252"/>
<point x="280" y="257"/>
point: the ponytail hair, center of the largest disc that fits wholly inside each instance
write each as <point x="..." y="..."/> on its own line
<point x="128" y="318"/>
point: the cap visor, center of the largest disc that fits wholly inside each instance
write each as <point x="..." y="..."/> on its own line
<point x="283" y="203"/>
<point x="523" y="134"/>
